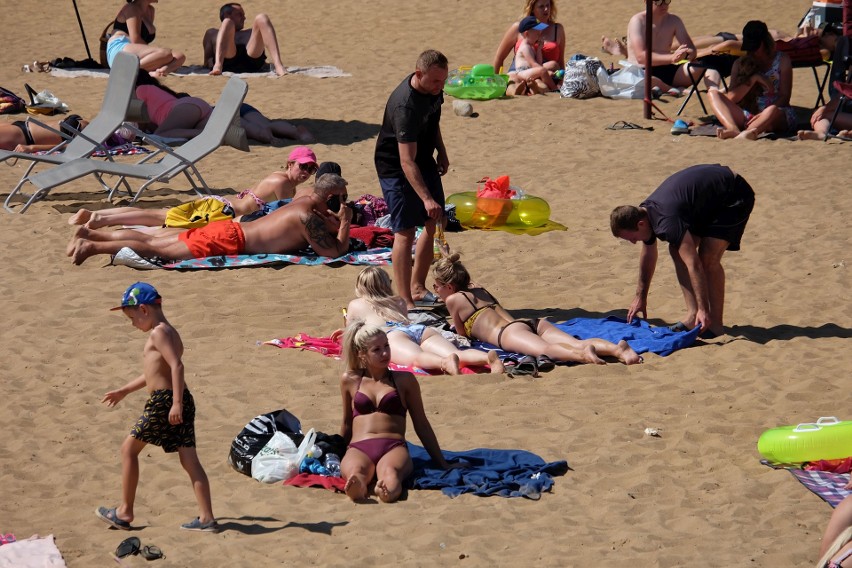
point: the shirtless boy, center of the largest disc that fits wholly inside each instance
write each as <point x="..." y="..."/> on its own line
<point x="169" y="417"/>
<point x="305" y="221"/>
<point x="231" y="48"/>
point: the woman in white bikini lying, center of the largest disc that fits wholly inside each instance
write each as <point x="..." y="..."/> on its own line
<point x="477" y="314"/>
<point x="411" y="344"/>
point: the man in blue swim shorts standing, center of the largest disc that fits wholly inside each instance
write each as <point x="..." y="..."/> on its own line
<point x="410" y="173"/>
<point x="701" y="212"/>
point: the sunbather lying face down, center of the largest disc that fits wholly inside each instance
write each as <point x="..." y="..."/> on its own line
<point x="375" y="403"/>
<point x="411" y="344"/>
<point x="29" y="136"/>
<point x="304" y="221"/>
<point x="477" y="314"/>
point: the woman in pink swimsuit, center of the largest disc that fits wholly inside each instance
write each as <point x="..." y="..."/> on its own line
<point x="375" y="403"/>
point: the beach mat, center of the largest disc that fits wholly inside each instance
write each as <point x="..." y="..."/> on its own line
<point x="490" y="472"/>
<point x="316" y="71"/>
<point x="127" y="257"/>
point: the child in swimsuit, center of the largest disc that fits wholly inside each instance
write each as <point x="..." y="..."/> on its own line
<point x="477" y="314"/>
<point x="375" y="403"/>
<point x="529" y="69"/>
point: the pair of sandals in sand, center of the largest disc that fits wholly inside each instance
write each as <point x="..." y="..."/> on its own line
<point x="133" y="546"/>
<point x="528" y="365"/>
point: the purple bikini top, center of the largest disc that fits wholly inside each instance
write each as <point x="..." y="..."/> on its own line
<point x="391" y="404"/>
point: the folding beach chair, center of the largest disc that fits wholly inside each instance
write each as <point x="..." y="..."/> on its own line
<point x="173" y="161"/>
<point x="721" y="63"/>
<point x="114" y="110"/>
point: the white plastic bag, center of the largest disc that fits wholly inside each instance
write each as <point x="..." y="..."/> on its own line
<point x="280" y="458"/>
<point x="626" y="83"/>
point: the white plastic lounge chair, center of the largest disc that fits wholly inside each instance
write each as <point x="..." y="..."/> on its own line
<point x="174" y="160"/>
<point x="117" y="99"/>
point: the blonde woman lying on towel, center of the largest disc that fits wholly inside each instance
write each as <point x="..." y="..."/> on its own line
<point x="411" y="344"/>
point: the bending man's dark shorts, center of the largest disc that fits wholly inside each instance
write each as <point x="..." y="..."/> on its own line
<point x="730" y="221"/>
<point x="153" y="426"/>
<point x="405" y="206"/>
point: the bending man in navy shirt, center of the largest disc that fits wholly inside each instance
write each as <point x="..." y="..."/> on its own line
<point x="701" y="212"/>
<point x="409" y="172"/>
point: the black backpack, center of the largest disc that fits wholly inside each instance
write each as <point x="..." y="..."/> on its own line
<point x="10" y="103"/>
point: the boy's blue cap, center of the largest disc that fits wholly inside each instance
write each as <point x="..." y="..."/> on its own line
<point x="531" y="23"/>
<point x="138" y="294"/>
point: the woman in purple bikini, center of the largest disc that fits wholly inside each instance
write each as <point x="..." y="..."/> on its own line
<point x="375" y="403"/>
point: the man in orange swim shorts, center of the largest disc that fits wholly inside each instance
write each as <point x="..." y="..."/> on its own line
<point x="305" y="221"/>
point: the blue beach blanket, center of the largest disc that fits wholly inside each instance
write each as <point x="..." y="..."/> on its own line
<point x="505" y="473"/>
<point x="378" y="256"/>
<point x="639" y="334"/>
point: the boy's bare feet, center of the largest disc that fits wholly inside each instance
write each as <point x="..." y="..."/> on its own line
<point x="748" y="134"/>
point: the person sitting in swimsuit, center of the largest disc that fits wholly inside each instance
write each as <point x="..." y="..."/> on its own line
<point x="375" y="403"/>
<point x="29" y="137"/>
<point x="552" y="39"/>
<point x="769" y="76"/>
<point x="411" y="344"/>
<point x="231" y="48"/>
<point x="304" y="221"/>
<point x="133" y="31"/>
<point x="301" y="164"/>
<point x="477" y="314"/>
<point x="532" y="73"/>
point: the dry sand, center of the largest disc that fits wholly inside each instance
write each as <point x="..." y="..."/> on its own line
<point x="696" y="496"/>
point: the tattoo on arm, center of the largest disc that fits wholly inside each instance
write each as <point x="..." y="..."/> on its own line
<point x="318" y="235"/>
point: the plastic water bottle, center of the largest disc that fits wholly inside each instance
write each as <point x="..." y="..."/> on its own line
<point x="439" y="243"/>
<point x="315" y="452"/>
<point x="313" y="465"/>
<point x="332" y="464"/>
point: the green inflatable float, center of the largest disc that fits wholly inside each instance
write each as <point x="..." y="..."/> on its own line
<point x="478" y="82"/>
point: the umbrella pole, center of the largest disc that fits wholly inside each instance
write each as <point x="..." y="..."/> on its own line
<point x="82" y="31"/>
<point x="649" y="42"/>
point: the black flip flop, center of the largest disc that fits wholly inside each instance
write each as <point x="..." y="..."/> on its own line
<point x="545" y="363"/>
<point x="151" y="552"/>
<point x="128" y="547"/>
<point x="624" y="125"/>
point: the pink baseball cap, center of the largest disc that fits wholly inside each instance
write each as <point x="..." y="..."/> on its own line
<point x="303" y="155"/>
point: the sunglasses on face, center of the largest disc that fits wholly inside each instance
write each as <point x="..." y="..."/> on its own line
<point x="310" y="168"/>
<point x="661" y="2"/>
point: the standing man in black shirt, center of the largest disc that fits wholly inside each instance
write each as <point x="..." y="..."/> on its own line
<point x="701" y="212"/>
<point x="410" y="173"/>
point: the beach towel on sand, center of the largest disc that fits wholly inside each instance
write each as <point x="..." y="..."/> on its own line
<point x="639" y="334"/>
<point x="317" y="71"/>
<point x="505" y="473"/>
<point x="34" y="552"/>
<point x="331" y="348"/>
<point x="827" y="485"/>
<point x="127" y="257"/>
<point x="502" y="473"/>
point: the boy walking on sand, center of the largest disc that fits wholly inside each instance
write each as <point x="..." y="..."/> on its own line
<point x="168" y="420"/>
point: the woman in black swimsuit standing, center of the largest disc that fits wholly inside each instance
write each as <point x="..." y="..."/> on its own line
<point x="477" y="314"/>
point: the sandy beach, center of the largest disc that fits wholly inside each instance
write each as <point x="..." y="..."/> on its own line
<point x="697" y="495"/>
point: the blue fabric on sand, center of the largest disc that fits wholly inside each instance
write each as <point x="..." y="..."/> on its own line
<point x="505" y="473"/>
<point x="641" y="336"/>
